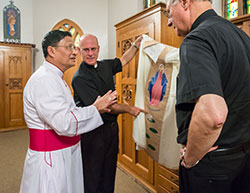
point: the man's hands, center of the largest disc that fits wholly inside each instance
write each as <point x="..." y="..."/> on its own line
<point x="186" y="164"/>
<point x="123" y="108"/>
<point x="108" y="104"/>
<point x="135" y="111"/>
<point x="137" y="42"/>
<point x="102" y="103"/>
<point x="130" y="53"/>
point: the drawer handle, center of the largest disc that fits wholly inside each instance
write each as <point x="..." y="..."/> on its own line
<point x="174" y="190"/>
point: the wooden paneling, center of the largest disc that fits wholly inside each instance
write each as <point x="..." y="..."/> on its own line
<point x="129" y="157"/>
<point x="2" y="86"/>
<point x="166" y="179"/>
<point x="246" y="27"/>
<point x="243" y="22"/>
<point x="15" y="69"/>
<point x="152" y="22"/>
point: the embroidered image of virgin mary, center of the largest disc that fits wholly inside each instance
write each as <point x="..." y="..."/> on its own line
<point x="11" y="23"/>
<point x="157" y="86"/>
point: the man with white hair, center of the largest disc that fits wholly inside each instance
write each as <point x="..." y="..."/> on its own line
<point x="213" y="99"/>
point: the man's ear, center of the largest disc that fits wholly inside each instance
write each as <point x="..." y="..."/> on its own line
<point x="185" y="3"/>
<point x="51" y="51"/>
<point x="98" y="49"/>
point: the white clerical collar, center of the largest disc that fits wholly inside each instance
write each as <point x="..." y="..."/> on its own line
<point x="95" y="66"/>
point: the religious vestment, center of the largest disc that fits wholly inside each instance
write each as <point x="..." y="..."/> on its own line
<point x="156" y="131"/>
<point x="53" y="162"/>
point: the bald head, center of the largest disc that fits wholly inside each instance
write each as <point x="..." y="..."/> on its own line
<point x="89" y="49"/>
<point x="183" y="13"/>
<point x="88" y="37"/>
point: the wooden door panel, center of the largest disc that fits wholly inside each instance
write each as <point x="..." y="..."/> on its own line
<point x="153" y="23"/>
<point x="138" y="161"/>
<point x="15" y="79"/>
<point x="2" y="115"/>
<point x="15" y="70"/>
<point x="127" y="147"/>
<point x="140" y="156"/>
<point x="16" y="109"/>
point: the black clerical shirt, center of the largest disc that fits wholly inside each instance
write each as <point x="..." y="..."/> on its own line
<point x="215" y="59"/>
<point x="89" y="82"/>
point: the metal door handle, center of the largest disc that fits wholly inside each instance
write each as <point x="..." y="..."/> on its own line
<point x="7" y="84"/>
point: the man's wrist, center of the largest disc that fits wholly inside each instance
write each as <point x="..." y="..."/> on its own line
<point x="134" y="45"/>
<point x="184" y="162"/>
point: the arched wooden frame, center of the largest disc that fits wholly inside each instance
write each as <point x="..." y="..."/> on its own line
<point x="76" y="32"/>
<point x="73" y="28"/>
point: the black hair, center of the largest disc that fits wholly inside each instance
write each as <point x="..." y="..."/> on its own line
<point x="52" y="38"/>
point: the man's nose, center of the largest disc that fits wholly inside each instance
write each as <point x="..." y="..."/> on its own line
<point x="75" y="51"/>
<point x="90" y="52"/>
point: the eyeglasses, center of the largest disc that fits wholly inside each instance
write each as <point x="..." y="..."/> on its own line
<point x="94" y="49"/>
<point x="70" y="47"/>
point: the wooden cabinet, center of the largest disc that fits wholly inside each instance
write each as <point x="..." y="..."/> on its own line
<point x="15" y="69"/>
<point x="152" y="22"/>
<point x="166" y="180"/>
<point x="243" y="22"/>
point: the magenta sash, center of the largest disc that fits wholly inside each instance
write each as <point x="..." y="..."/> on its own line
<point x="49" y="140"/>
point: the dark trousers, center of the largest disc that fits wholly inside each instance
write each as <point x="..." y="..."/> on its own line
<point x="99" y="156"/>
<point x="218" y="172"/>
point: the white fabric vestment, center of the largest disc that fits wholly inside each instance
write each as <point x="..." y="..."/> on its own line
<point x="150" y="51"/>
<point x="48" y="104"/>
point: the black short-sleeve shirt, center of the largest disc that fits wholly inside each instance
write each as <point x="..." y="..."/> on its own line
<point x="89" y="82"/>
<point x="215" y="59"/>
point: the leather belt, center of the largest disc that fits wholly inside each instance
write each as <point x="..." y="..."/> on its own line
<point x="231" y="150"/>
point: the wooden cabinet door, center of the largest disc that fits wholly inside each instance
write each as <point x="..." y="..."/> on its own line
<point x="137" y="161"/>
<point x="2" y="114"/>
<point x="242" y="22"/>
<point x="16" y="69"/>
<point x="166" y="180"/>
<point x="152" y="22"/>
<point x="246" y="27"/>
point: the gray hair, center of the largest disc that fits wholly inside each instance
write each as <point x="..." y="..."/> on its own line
<point x="174" y="2"/>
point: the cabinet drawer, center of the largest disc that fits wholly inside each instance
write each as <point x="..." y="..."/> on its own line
<point x="168" y="174"/>
<point x="161" y="189"/>
<point x="167" y="184"/>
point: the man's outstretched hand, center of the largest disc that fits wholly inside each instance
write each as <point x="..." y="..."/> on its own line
<point x="102" y="103"/>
